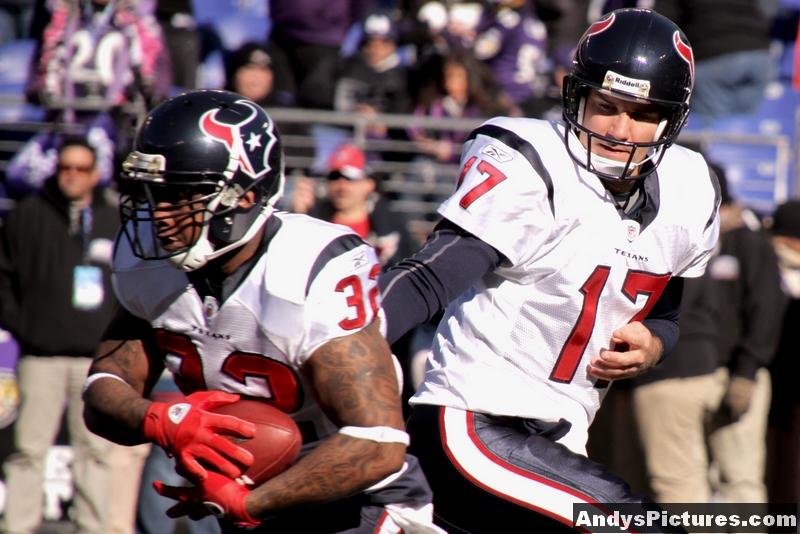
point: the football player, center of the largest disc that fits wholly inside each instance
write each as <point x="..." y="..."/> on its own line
<point x="237" y="299"/>
<point x="558" y="265"/>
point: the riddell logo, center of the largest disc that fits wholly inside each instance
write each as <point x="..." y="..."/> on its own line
<point x="623" y="84"/>
<point x="177" y="412"/>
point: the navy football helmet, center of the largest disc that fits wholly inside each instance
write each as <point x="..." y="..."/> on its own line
<point x="205" y="149"/>
<point x="634" y="54"/>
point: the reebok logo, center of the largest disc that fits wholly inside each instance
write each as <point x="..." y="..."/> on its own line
<point x="177" y="412"/>
<point x="497" y="153"/>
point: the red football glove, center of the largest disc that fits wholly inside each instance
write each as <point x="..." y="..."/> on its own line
<point x="217" y="494"/>
<point x="191" y="433"/>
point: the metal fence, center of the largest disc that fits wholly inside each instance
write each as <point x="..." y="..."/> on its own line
<point x="762" y="169"/>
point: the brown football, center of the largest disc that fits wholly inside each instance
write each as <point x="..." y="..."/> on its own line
<point x="276" y="444"/>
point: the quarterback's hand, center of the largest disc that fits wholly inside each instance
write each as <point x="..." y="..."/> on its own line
<point x="739" y="395"/>
<point x="635" y="349"/>
<point x="189" y="432"/>
<point x="217" y="494"/>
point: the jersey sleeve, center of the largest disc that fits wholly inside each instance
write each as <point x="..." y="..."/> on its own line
<point x="504" y="194"/>
<point x="705" y="242"/>
<point x="343" y="298"/>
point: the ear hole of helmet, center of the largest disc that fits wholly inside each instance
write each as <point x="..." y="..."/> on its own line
<point x="232" y="225"/>
<point x="231" y="220"/>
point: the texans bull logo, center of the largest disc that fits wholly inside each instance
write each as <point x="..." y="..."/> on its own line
<point x="253" y="159"/>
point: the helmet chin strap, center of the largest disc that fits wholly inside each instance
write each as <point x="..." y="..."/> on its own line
<point x="203" y="250"/>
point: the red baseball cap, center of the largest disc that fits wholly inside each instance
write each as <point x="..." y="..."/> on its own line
<point x="349" y="161"/>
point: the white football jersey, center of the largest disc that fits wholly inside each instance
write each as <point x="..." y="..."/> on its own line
<point x="518" y="343"/>
<point x="316" y="281"/>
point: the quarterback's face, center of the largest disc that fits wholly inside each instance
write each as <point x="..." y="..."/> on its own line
<point x="622" y="120"/>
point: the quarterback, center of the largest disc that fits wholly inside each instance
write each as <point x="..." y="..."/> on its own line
<point x="557" y="265"/>
<point x="238" y="300"/>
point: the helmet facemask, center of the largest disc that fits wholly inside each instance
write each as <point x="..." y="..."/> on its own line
<point x="214" y="209"/>
<point x="575" y="95"/>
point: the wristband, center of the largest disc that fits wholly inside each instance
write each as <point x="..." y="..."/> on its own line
<point x="94" y="377"/>
<point x="381" y="434"/>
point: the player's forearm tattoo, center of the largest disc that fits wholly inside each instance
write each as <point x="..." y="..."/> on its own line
<point x="339" y="467"/>
<point x="357" y="384"/>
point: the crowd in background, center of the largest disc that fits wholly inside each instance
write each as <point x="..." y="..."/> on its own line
<point x="99" y="64"/>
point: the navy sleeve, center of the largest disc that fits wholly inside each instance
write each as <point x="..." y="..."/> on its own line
<point x="420" y="286"/>
<point x="663" y="319"/>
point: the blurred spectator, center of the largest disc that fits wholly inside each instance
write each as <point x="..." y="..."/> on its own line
<point x="374" y="80"/>
<point x="784" y="452"/>
<point x="422" y="26"/>
<point x="305" y="43"/>
<point x="250" y="74"/>
<point x="565" y="20"/>
<point x="708" y="401"/>
<point x="512" y="40"/>
<point x="548" y="106"/>
<point x="796" y="63"/>
<point x="730" y="42"/>
<point x="435" y="26"/>
<point x="102" y="53"/>
<point x="352" y="200"/>
<point x="56" y="299"/>
<point x="15" y="19"/>
<point x="99" y="66"/>
<point x="37" y="160"/>
<point x="461" y="89"/>
<point x="182" y="40"/>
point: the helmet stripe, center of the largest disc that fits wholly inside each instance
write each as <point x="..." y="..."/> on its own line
<point x="685" y="51"/>
<point x="601" y="25"/>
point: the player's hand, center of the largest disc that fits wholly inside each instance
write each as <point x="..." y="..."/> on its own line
<point x="189" y="432"/>
<point x="634" y="350"/>
<point x="739" y="395"/>
<point x="303" y="196"/>
<point x="217" y="495"/>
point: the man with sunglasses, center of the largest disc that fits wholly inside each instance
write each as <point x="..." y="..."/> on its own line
<point x="56" y="300"/>
<point x="558" y="267"/>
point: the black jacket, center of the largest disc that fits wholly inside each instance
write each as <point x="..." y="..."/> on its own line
<point x="38" y="256"/>
<point x="731" y="316"/>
